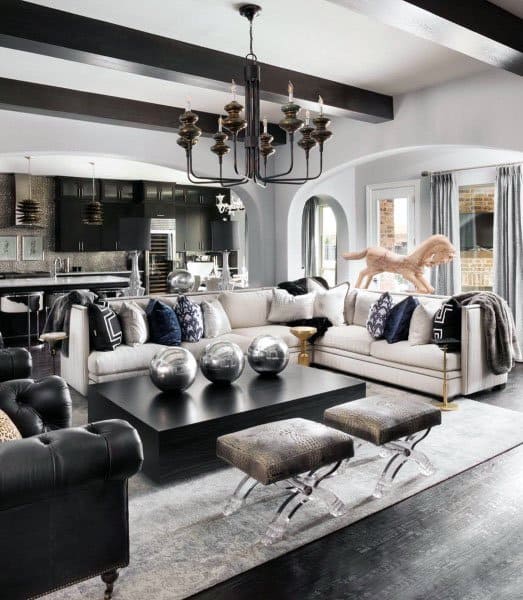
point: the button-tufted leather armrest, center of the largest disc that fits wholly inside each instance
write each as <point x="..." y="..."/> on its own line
<point x="42" y="465"/>
<point x="15" y="363"/>
<point x="36" y="407"/>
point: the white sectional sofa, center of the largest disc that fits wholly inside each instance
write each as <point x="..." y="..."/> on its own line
<point x="347" y="347"/>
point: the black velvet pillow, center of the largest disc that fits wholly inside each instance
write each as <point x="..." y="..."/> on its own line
<point x="446" y="327"/>
<point x="104" y="328"/>
<point x="398" y="322"/>
<point x="164" y="327"/>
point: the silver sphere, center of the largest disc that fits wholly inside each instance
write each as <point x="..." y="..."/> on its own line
<point x="180" y="281"/>
<point x="173" y="369"/>
<point x="268" y="354"/>
<point x="222" y="362"/>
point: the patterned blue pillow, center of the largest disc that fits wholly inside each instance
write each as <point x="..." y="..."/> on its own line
<point x="163" y="324"/>
<point x="378" y="315"/>
<point x="398" y="321"/>
<point x="191" y="319"/>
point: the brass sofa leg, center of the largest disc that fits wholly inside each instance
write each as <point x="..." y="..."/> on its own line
<point x="109" y="578"/>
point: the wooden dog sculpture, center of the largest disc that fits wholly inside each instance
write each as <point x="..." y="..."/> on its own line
<point x="435" y="250"/>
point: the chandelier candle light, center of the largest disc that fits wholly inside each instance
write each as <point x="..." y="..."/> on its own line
<point x="257" y="143"/>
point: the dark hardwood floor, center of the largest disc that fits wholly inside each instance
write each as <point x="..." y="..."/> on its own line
<point x="460" y="540"/>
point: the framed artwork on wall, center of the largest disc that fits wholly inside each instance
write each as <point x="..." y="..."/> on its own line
<point x="8" y="247"/>
<point x="32" y="247"/>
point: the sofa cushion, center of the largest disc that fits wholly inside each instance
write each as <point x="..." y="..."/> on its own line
<point x="351" y="338"/>
<point x="246" y="309"/>
<point x="398" y="321"/>
<point x="190" y="317"/>
<point x="281" y="331"/>
<point x="364" y="301"/>
<point x="164" y="327"/>
<point x="286" y="308"/>
<point x="350" y="304"/>
<point x="135" y="327"/>
<point x="420" y="330"/>
<point x="123" y="359"/>
<point x="378" y="315"/>
<point x="215" y="319"/>
<point x="428" y="356"/>
<point x="330" y="304"/>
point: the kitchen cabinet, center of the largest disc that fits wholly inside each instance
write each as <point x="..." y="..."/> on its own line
<point x="113" y="190"/>
<point x="72" y="234"/>
<point x="157" y="199"/>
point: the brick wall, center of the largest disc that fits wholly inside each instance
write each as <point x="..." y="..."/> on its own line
<point x="476" y="264"/>
<point x="387" y="224"/>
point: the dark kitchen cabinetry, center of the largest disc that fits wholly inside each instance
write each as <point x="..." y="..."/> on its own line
<point x="195" y="210"/>
<point x="113" y="190"/>
<point x="157" y="199"/>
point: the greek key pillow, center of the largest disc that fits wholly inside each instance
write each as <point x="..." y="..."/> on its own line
<point x="215" y="319"/>
<point x="286" y="308"/>
<point x="135" y="328"/>
<point x="190" y="318"/>
<point x="378" y="315"/>
<point x="8" y="430"/>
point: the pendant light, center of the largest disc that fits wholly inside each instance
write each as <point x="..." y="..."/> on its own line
<point x="93" y="214"/>
<point x="29" y="210"/>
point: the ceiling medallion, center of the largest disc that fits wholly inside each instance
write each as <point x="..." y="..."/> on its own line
<point x="93" y="212"/>
<point x="29" y="210"/>
<point x="257" y="141"/>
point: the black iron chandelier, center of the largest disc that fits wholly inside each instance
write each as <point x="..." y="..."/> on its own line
<point x="257" y="142"/>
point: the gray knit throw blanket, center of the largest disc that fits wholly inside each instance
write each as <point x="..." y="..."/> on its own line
<point x="500" y="331"/>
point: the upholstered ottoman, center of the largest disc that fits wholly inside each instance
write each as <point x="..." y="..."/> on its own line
<point x="395" y="425"/>
<point x="297" y="454"/>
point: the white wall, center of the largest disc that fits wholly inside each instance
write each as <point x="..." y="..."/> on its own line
<point x="482" y="112"/>
<point x="24" y="133"/>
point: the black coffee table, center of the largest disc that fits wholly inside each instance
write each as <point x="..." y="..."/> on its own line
<point x="179" y="431"/>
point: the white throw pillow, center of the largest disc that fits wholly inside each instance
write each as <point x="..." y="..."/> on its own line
<point x="285" y="307"/>
<point x="364" y="301"/>
<point x="314" y="286"/>
<point x="135" y="327"/>
<point x="350" y="303"/>
<point x="331" y="304"/>
<point x="215" y="319"/>
<point x="246" y="309"/>
<point x="420" y="330"/>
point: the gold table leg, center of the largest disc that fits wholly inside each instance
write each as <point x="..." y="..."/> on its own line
<point x="445" y="405"/>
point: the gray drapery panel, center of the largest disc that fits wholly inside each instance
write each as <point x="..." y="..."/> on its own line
<point x="508" y="241"/>
<point x="310" y="242"/>
<point x="445" y="278"/>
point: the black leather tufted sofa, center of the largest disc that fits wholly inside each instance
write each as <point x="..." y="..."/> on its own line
<point x="63" y="493"/>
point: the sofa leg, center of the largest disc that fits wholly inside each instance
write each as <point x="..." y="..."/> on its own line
<point x="109" y="578"/>
<point x="498" y="388"/>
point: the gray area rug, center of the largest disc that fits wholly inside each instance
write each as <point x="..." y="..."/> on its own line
<point x="181" y="544"/>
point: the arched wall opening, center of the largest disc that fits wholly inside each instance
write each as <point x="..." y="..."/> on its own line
<point x="342" y="233"/>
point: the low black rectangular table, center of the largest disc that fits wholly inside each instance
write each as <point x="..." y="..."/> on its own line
<point x="179" y="431"/>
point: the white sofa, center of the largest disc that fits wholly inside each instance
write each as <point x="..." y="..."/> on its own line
<point x="347" y="347"/>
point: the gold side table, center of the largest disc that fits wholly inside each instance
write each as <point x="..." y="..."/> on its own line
<point x="445" y="405"/>
<point x="304" y="333"/>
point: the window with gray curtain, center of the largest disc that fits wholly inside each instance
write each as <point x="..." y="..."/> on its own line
<point x="310" y="238"/>
<point x="445" y="278"/>
<point x="508" y="241"/>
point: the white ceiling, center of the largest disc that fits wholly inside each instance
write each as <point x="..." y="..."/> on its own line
<point x="513" y="6"/>
<point x="316" y="37"/>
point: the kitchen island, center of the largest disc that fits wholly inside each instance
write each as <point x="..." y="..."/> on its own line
<point x="51" y="284"/>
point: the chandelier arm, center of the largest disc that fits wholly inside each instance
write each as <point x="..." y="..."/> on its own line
<point x="230" y="182"/>
<point x="198" y="179"/>
<point x="298" y="180"/>
<point x="291" y="167"/>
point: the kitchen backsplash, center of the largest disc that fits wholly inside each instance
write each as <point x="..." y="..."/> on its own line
<point x="43" y="190"/>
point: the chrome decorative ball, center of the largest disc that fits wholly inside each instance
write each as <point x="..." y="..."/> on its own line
<point x="173" y="369"/>
<point x="222" y="362"/>
<point x="180" y="281"/>
<point x="268" y="354"/>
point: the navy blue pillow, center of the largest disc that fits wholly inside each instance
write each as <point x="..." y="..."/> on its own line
<point x="164" y="327"/>
<point x="398" y="321"/>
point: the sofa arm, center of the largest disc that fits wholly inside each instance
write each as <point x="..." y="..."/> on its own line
<point x="40" y="466"/>
<point x="15" y="363"/>
<point x="475" y="372"/>
<point x="73" y="367"/>
<point x="37" y="407"/>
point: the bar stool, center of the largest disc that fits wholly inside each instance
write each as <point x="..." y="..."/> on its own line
<point x="28" y="302"/>
<point x="53" y="339"/>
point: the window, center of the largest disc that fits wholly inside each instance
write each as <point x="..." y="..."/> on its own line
<point x="391" y="225"/>
<point x="327" y="228"/>
<point x="476" y="231"/>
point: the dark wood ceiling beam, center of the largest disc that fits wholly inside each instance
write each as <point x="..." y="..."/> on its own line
<point x="50" y="32"/>
<point x="72" y="104"/>
<point x="476" y="28"/>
